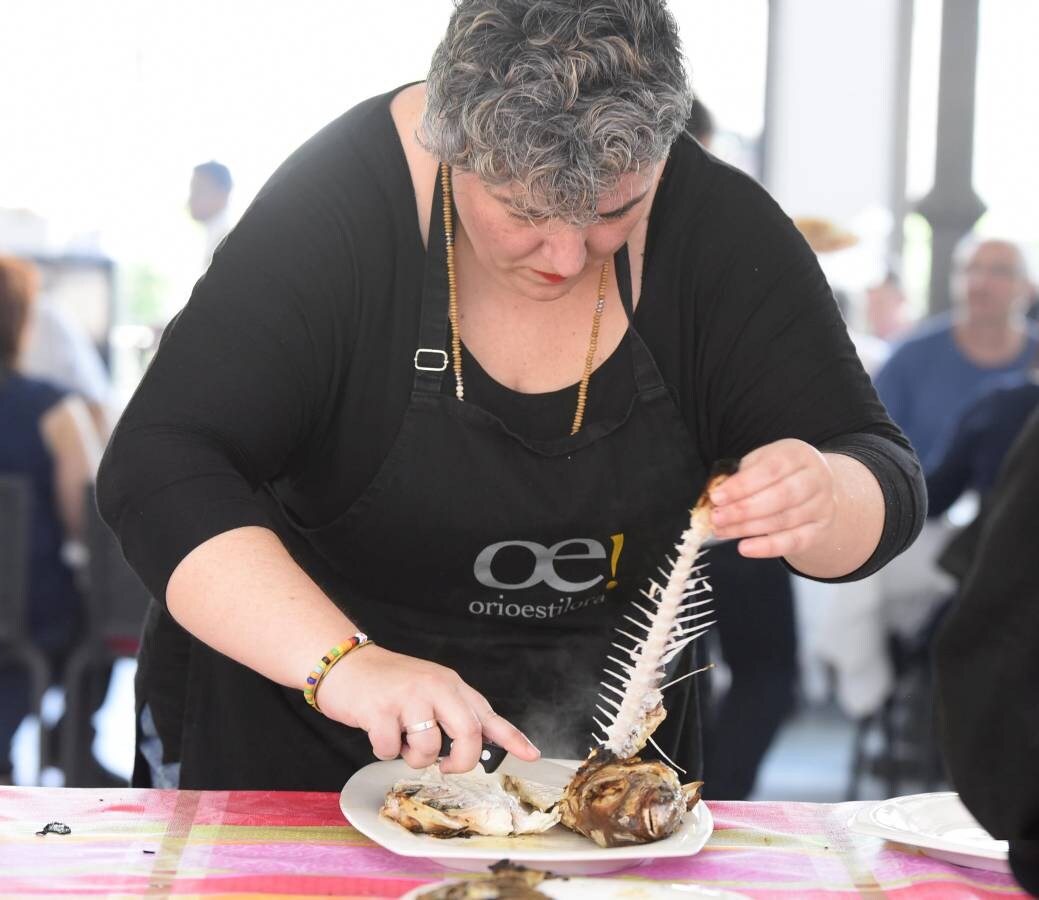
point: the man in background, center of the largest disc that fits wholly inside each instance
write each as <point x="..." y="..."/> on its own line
<point x="208" y="199"/>
<point x="932" y="377"/>
<point x="886" y="308"/>
<point x="935" y="374"/>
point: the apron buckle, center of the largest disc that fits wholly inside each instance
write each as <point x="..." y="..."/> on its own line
<point x="431" y="368"/>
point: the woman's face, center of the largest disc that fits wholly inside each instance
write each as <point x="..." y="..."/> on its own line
<point x="545" y="259"/>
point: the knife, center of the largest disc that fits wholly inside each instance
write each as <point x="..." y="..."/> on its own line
<point x="491" y="755"/>
<point x="498" y="759"/>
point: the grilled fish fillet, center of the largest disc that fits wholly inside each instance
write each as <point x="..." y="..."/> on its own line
<point x="459" y="805"/>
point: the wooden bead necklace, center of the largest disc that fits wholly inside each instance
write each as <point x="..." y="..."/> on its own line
<point x="452" y="309"/>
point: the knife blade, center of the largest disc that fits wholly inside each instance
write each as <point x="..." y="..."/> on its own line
<point x="554" y="773"/>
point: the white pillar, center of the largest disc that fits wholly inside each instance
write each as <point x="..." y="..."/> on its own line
<point x="835" y="116"/>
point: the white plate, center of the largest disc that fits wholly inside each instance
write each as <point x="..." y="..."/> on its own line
<point x="558" y="850"/>
<point x="598" y="889"/>
<point x="939" y="824"/>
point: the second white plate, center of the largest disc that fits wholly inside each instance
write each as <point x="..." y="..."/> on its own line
<point x="939" y="824"/>
<point x="558" y="850"/>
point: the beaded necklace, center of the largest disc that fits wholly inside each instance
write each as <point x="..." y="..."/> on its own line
<point x="452" y="309"/>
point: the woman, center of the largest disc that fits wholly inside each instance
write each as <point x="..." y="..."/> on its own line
<point x="47" y="439"/>
<point x="359" y="423"/>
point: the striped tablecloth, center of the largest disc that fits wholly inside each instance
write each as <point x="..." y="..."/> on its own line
<point x="212" y="843"/>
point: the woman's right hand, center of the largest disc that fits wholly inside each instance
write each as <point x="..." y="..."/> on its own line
<point x="385" y="693"/>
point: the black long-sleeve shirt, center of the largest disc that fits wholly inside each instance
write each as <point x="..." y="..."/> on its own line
<point x="291" y="363"/>
<point x="987" y="665"/>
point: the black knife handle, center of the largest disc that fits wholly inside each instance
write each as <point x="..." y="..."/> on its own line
<point x="491" y="755"/>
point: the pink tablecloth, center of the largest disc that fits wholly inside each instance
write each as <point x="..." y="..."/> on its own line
<point x="130" y="842"/>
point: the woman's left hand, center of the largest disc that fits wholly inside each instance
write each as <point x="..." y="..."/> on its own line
<point x="782" y="501"/>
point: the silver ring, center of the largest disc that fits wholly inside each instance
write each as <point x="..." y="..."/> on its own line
<point x="420" y="726"/>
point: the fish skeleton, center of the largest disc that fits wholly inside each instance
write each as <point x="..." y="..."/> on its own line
<point x="615" y="798"/>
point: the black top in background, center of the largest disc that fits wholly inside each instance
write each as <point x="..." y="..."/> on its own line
<point x="987" y="666"/>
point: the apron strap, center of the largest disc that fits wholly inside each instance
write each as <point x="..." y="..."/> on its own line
<point x="432" y="358"/>
<point x="647" y="375"/>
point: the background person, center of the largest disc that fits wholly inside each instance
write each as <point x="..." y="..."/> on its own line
<point x="48" y="439"/>
<point x="981" y="440"/>
<point x="973" y="458"/>
<point x="931" y="379"/>
<point x="58" y="350"/>
<point x="208" y="197"/>
<point x="948" y="360"/>
<point x="886" y="315"/>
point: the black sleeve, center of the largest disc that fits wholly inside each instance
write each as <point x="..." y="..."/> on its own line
<point x="782" y="366"/>
<point x="1024" y="863"/>
<point x="987" y="663"/>
<point x="950" y="476"/>
<point x="239" y="383"/>
<point x="897" y="471"/>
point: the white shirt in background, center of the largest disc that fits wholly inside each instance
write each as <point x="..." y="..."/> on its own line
<point x="59" y="351"/>
<point x="216" y="230"/>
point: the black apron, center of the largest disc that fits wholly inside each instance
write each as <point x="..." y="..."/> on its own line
<point x="508" y="560"/>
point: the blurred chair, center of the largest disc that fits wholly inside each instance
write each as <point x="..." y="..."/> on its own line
<point x="15" y="644"/>
<point x="116" y="602"/>
<point x="905" y="749"/>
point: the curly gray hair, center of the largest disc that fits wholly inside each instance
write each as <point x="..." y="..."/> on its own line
<point x="558" y="97"/>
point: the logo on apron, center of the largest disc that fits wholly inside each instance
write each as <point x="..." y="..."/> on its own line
<point x="562" y="569"/>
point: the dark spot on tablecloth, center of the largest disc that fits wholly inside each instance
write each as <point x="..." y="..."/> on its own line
<point x="55" y="828"/>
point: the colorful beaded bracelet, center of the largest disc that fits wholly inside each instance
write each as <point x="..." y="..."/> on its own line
<point x="333" y="656"/>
